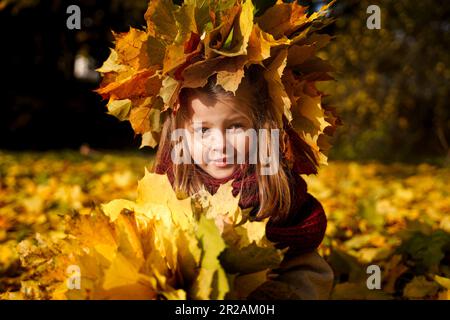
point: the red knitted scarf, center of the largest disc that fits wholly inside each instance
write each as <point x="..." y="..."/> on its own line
<point x="304" y="229"/>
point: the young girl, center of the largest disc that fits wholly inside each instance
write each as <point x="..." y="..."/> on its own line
<point x="215" y="121"/>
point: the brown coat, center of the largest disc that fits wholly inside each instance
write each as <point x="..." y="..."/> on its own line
<point x="304" y="277"/>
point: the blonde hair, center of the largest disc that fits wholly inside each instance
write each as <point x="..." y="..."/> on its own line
<point x="252" y="101"/>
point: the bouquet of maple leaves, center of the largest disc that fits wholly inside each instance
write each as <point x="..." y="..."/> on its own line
<point x="160" y="246"/>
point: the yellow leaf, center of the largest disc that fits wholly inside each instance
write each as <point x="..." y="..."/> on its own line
<point x="230" y="80"/>
<point x="113" y="208"/>
<point x="282" y="19"/>
<point x="239" y="34"/>
<point x="299" y="54"/>
<point x="156" y="188"/>
<point x="119" y="108"/>
<point x="128" y="237"/>
<point x="146" y="116"/>
<point x="253" y="231"/>
<point x="131" y="48"/>
<point x="419" y="287"/>
<point x="444" y="282"/>
<point x="260" y="43"/>
<point x="160" y="19"/>
<point x="279" y="97"/>
<point x="148" y="139"/>
<point x="140" y="84"/>
<point x="112" y="64"/>
<point x="224" y="205"/>
<point x="169" y="91"/>
<point x="121" y="273"/>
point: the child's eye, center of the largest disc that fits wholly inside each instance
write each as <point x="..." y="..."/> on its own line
<point x="236" y="126"/>
<point x="202" y="129"/>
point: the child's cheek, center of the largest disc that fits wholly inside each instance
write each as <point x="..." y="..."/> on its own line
<point x="241" y="145"/>
<point x="196" y="150"/>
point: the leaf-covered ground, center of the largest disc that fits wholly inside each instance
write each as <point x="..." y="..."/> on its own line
<point x="394" y="216"/>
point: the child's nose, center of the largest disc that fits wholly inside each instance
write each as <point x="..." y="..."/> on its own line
<point x="218" y="141"/>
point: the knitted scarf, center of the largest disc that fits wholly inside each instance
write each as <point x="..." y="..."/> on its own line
<point x="302" y="231"/>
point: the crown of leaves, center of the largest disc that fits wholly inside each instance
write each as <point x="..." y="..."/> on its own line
<point x="183" y="46"/>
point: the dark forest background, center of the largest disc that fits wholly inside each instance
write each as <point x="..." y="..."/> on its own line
<point x="392" y="86"/>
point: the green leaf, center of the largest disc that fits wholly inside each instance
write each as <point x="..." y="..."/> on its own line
<point x="249" y="259"/>
<point x="426" y="251"/>
<point x="227" y="43"/>
<point x="211" y="281"/>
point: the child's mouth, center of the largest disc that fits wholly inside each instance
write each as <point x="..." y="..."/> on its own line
<point x="221" y="163"/>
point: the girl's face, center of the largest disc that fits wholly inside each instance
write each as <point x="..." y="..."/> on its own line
<point x="216" y="136"/>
